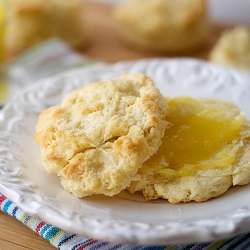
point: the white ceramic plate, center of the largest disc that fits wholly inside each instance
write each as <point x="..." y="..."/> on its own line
<point x="124" y="218"/>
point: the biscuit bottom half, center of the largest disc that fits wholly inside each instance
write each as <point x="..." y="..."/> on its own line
<point x="203" y="154"/>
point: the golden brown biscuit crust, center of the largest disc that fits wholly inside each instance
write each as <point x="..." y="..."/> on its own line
<point x="102" y="133"/>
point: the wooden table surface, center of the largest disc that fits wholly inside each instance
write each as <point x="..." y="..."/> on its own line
<point x="104" y="45"/>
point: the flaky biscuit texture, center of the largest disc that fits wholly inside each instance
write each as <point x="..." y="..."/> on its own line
<point x="100" y="135"/>
<point x="200" y="185"/>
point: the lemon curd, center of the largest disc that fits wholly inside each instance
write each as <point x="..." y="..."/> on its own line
<point x="201" y="138"/>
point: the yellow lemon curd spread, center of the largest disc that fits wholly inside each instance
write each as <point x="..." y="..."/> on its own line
<point x="201" y="138"/>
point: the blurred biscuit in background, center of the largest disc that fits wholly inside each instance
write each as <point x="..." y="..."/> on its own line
<point x="233" y="48"/>
<point x="163" y="25"/>
<point x="32" y="21"/>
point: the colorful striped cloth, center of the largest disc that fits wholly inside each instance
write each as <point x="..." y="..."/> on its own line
<point x="67" y="241"/>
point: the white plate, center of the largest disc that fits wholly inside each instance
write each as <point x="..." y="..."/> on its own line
<point x="124" y="218"/>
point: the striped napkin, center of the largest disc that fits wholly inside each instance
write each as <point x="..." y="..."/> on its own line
<point x="67" y="241"/>
<point x="52" y="57"/>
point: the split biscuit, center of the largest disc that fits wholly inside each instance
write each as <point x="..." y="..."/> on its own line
<point x="203" y="163"/>
<point x="100" y="135"/>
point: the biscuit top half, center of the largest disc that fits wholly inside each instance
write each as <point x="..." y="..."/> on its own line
<point x="100" y="135"/>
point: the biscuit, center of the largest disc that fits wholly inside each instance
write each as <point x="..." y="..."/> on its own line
<point x="33" y="21"/>
<point x="215" y="172"/>
<point x="100" y="135"/>
<point x="163" y="25"/>
<point x="233" y="48"/>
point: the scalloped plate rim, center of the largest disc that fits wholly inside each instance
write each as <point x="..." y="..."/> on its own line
<point x="240" y="220"/>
